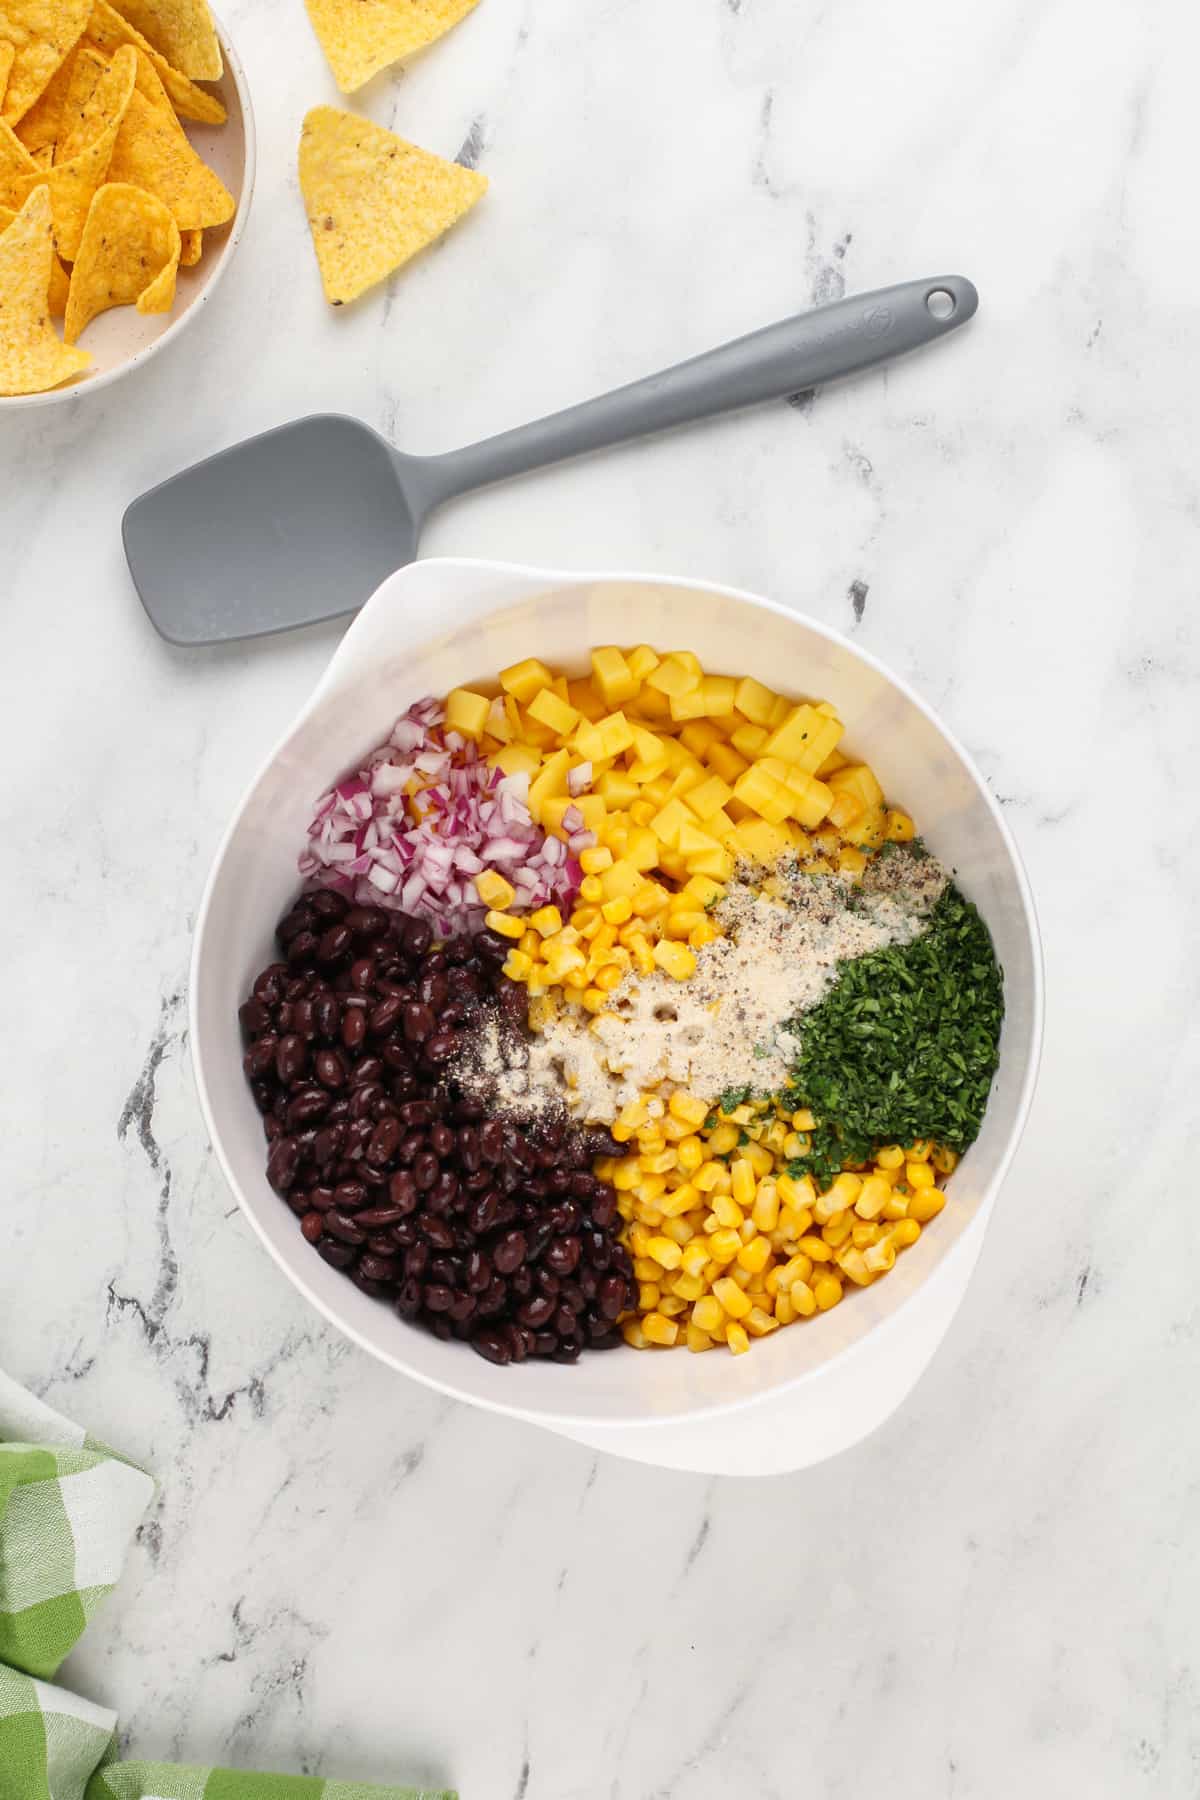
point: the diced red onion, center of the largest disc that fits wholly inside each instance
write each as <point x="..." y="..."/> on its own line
<point x="370" y="842"/>
<point x="580" y="779"/>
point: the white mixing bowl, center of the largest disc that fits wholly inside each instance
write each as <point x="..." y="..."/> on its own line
<point x="445" y="623"/>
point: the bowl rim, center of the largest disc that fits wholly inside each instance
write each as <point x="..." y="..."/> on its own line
<point x="95" y="384"/>
<point x="564" y="1418"/>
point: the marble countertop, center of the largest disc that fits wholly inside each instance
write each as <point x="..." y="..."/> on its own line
<point x="996" y="1593"/>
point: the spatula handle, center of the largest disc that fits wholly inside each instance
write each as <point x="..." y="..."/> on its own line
<point x="801" y="352"/>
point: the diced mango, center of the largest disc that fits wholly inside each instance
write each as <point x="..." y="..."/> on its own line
<point x="845" y="809"/>
<point x="621" y="879"/>
<point x="699" y="736"/>
<point x="674" y="675"/>
<point x="669" y="821"/>
<point x="689" y="776"/>
<point x="748" y="740"/>
<point x="754" y="701"/>
<point x="675" y="959"/>
<point x="467" y="712"/>
<point x="805" y="738"/>
<point x="642" y="661"/>
<point x="693" y="841"/>
<point x="707" y="797"/>
<point x="647" y="745"/>
<point x="641" y="772"/>
<point x="586" y="701"/>
<point x="760" y="842"/>
<point x="593" y="809"/>
<point x="588" y="742"/>
<point x="652" y="705"/>
<point x="705" y="891"/>
<point x="716" y="863"/>
<point x="553" y="712"/>
<point x="524" y="679"/>
<point x="616" y="734"/>
<point x="810" y="799"/>
<point x="725" y="761"/>
<point x="613" y="676"/>
<point x="719" y="692"/>
<point x="498" y="724"/>
<point x="759" y="789"/>
<point x="641" y="847"/>
<point x="618" y="789"/>
<point x="550" y="780"/>
<point x="517" y="759"/>
<point x="689" y="705"/>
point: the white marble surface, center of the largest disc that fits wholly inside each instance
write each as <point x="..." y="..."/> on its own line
<point x="997" y="1593"/>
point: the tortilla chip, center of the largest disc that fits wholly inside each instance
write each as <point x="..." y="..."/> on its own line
<point x="192" y="243"/>
<point x="32" y="357"/>
<point x="7" y="56"/>
<point x="76" y="124"/>
<point x="15" y="161"/>
<point x="360" y="37"/>
<point x="59" y="279"/>
<point x="39" y="128"/>
<point x="374" y="200"/>
<point x="129" y="252"/>
<point x="182" y="31"/>
<point x="44" y="157"/>
<point x="108" y="31"/>
<point x="43" y="33"/>
<point x="152" y="151"/>
<point x="72" y="183"/>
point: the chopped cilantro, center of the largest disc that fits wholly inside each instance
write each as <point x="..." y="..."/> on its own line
<point x="733" y="1097"/>
<point x="905" y="1044"/>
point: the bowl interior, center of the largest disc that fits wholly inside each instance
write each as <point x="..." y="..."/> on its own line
<point x="122" y="338"/>
<point x="389" y="660"/>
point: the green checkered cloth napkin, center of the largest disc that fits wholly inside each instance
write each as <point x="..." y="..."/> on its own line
<point x="68" y="1509"/>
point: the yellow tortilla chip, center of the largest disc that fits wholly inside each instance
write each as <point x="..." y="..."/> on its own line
<point x="43" y="33"/>
<point x="73" y="183"/>
<point x="182" y="31"/>
<point x="60" y="281"/>
<point x="374" y="200"/>
<point x="76" y="125"/>
<point x="39" y="128"/>
<point x="129" y="253"/>
<point x="152" y="152"/>
<point x="7" y="55"/>
<point x="15" y="161"/>
<point x="44" y="157"/>
<point x="108" y="31"/>
<point x="192" y="243"/>
<point x="360" y="37"/>
<point x="32" y="358"/>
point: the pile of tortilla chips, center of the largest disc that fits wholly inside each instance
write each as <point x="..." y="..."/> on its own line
<point x="360" y="37"/>
<point x="102" y="197"/>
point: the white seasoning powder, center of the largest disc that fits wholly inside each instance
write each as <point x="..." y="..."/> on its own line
<point x="732" y="1022"/>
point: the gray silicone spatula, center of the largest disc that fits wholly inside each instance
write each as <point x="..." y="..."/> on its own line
<point x="304" y="522"/>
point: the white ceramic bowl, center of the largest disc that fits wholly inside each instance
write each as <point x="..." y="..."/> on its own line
<point x="440" y="624"/>
<point x="124" y="339"/>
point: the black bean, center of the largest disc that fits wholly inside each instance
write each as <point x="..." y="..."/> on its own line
<point x="492" y="1344"/>
<point x="340" y="1255"/>
<point x="509" y="1253"/>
